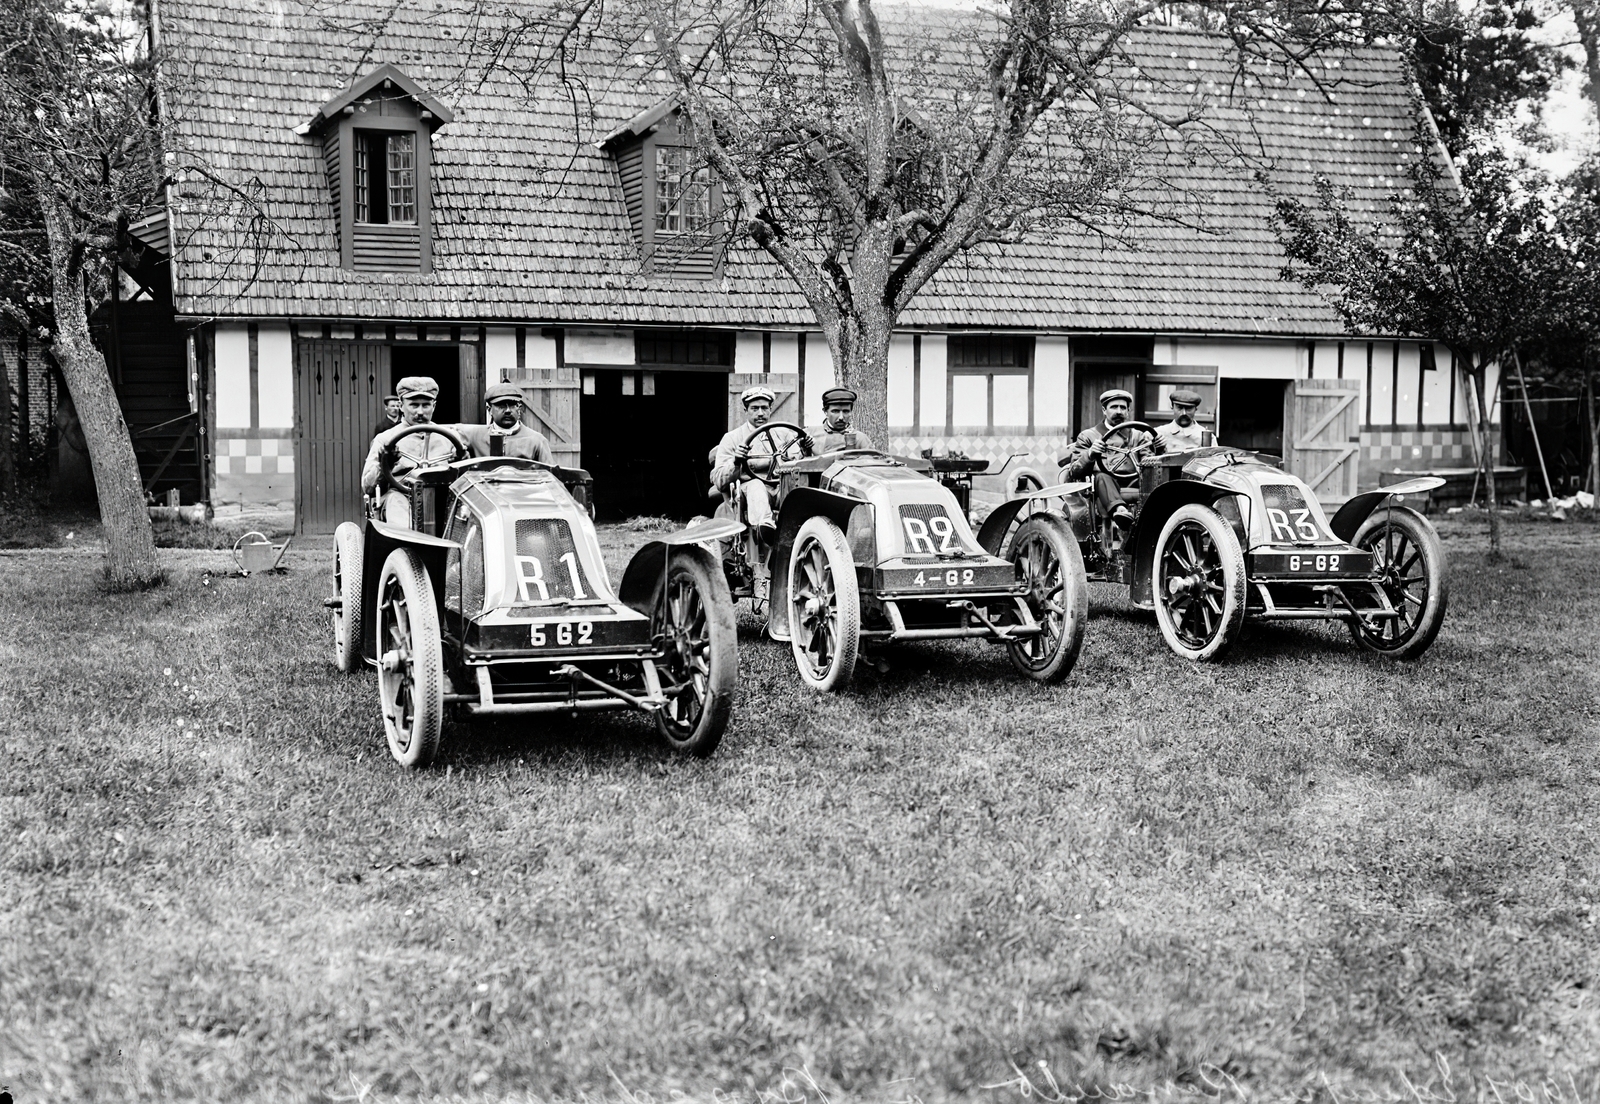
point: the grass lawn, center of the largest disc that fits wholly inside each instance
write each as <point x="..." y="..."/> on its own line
<point x="1302" y="872"/>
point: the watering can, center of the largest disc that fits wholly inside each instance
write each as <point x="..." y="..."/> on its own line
<point x="254" y="552"/>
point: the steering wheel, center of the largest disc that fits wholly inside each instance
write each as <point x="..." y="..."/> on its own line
<point x="391" y="452"/>
<point x="778" y="453"/>
<point x="1125" y="452"/>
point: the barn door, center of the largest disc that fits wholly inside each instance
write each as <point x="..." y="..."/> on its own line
<point x="786" y="386"/>
<point x="339" y="389"/>
<point x="1323" y="442"/>
<point x="551" y="398"/>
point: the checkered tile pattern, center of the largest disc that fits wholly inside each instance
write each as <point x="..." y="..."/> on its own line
<point x="1444" y="447"/>
<point x="272" y="456"/>
<point x="1042" y="448"/>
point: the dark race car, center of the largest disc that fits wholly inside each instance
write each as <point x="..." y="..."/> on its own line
<point x="497" y="602"/>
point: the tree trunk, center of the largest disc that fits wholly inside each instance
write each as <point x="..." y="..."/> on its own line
<point x="1476" y="372"/>
<point x="1586" y="13"/>
<point x="1594" y="438"/>
<point x="131" y="560"/>
<point x="860" y="348"/>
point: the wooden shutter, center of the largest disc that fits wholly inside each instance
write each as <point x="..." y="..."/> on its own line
<point x="551" y="398"/>
<point x="786" y="386"/>
<point x="471" y="387"/>
<point x="1323" y="442"/>
<point x="339" y="389"/>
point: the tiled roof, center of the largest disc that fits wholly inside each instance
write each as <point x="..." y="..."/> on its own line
<point x="529" y="223"/>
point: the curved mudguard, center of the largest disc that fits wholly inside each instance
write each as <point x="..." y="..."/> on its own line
<point x="1153" y="514"/>
<point x="380" y="539"/>
<point x="995" y="527"/>
<point x="1350" y="516"/>
<point x="642" y="581"/>
<point x="798" y="505"/>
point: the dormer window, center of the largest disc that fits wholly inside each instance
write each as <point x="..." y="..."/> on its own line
<point x="377" y="143"/>
<point x="674" y="202"/>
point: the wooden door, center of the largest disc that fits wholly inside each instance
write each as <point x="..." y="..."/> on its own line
<point x="1095" y="380"/>
<point x="471" y="386"/>
<point x="551" y="398"/>
<point x="339" y="389"/>
<point x="1322" y="442"/>
<point x="785" y="386"/>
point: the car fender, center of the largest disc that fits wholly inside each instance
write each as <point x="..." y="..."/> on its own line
<point x="1350" y="516"/>
<point x="378" y="541"/>
<point x="1163" y="502"/>
<point x="992" y="534"/>
<point x="798" y="505"/>
<point x="641" y="582"/>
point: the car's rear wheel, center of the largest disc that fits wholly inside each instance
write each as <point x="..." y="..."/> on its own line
<point x="410" y="659"/>
<point x="824" y="606"/>
<point x="1408" y="563"/>
<point x="694" y="618"/>
<point x="347" y="542"/>
<point x="1199" y="583"/>
<point x="1058" y="597"/>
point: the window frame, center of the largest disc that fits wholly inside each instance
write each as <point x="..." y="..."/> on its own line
<point x="356" y="127"/>
<point x="1025" y="349"/>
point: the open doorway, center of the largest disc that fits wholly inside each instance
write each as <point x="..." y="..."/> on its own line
<point x="647" y="437"/>
<point x="1250" y="414"/>
<point x="440" y="362"/>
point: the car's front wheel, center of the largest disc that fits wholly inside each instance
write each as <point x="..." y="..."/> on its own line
<point x="410" y="659"/>
<point x="694" y="619"/>
<point x="1408" y="563"/>
<point x="1198" y="583"/>
<point x="1049" y="562"/>
<point x="347" y="566"/>
<point x="824" y="606"/>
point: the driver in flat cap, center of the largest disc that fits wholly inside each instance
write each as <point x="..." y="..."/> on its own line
<point x="835" y="432"/>
<point x="1184" y="432"/>
<point x="391" y="414"/>
<point x="418" y="395"/>
<point x="1120" y="485"/>
<point x="736" y="462"/>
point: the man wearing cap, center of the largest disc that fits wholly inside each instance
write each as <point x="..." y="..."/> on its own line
<point x="1116" y="488"/>
<point x="835" y="433"/>
<point x="391" y="414"/>
<point x="504" y="434"/>
<point x="735" y="463"/>
<point x="418" y="394"/>
<point x="1183" y="432"/>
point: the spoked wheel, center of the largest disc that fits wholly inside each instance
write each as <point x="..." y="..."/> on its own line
<point x="410" y="659"/>
<point x="1408" y="563"/>
<point x="1058" y="597"/>
<point x="824" y="606"/>
<point x="1199" y="583"/>
<point x="347" y="542"/>
<point x="694" y="617"/>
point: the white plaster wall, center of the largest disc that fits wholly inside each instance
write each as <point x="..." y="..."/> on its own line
<point x="539" y="351"/>
<point x="935" y="362"/>
<point x="595" y="347"/>
<point x="1052" y="380"/>
<point x="231" y="376"/>
<point x="747" y="353"/>
<point x="1244" y="359"/>
<point x="786" y="352"/>
<point x="1326" y="363"/>
<point x="902" y="380"/>
<point x="500" y="354"/>
<point x="274" y="376"/>
<point x="819" y="375"/>
<point x="1407" y="372"/>
<point x="1381" y="402"/>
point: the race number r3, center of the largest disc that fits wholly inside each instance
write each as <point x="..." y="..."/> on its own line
<point x="566" y="633"/>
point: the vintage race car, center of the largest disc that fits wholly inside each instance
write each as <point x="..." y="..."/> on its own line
<point x="1221" y="535"/>
<point x="870" y="550"/>
<point x="497" y="602"/>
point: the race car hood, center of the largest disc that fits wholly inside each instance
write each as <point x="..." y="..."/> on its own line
<point x="915" y="519"/>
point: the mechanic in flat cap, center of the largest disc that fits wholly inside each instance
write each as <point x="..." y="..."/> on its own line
<point x="505" y="434"/>
<point x="834" y="434"/>
<point x="1116" y="488"/>
<point x="736" y="463"/>
<point x="1183" y="432"/>
<point x="418" y="395"/>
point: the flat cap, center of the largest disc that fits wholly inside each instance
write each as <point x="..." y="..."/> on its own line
<point x="417" y="385"/>
<point x="502" y="391"/>
<point x="391" y="398"/>
<point x="1185" y="397"/>
<point x="751" y="394"/>
<point x="838" y="395"/>
<point x="1115" y="393"/>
